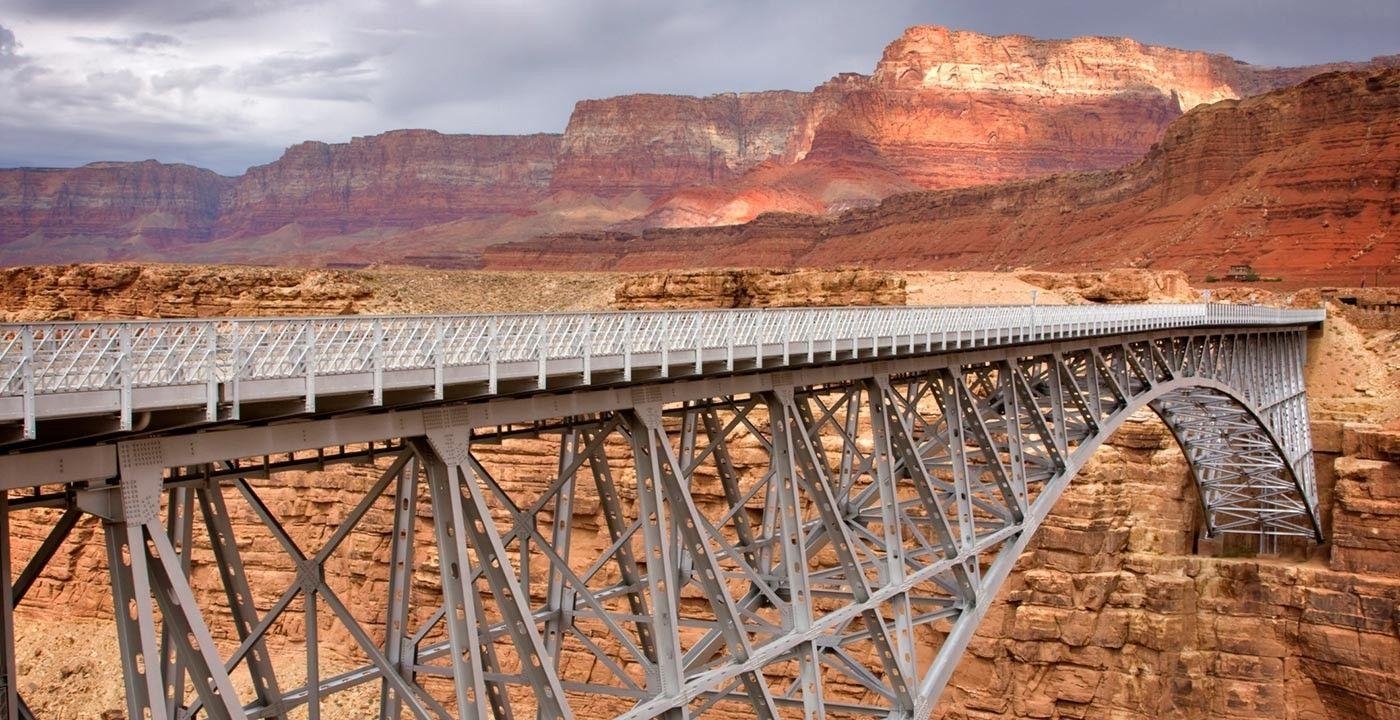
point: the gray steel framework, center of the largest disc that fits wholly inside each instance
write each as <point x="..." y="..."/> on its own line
<point x="813" y="540"/>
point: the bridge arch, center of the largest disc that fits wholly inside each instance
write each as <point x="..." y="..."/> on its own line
<point x="1239" y="466"/>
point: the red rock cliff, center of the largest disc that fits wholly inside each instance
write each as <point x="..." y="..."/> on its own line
<point x="1300" y="183"/>
<point x="656" y="143"/>
<point x="405" y="178"/>
<point x="145" y="202"/>
<point x="948" y="109"/>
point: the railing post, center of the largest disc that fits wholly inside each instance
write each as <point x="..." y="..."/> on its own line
<point x="787" y="336"/>
<point x="236" y="376"/>
<point x="811" y="335"/>
<point x="26" y="339"/>
<point x="831" y="335"/>
<point x="627" y="324"/>
<point x="760" y="325"/>
<point x="308" y="361"/>
<point x="699" y="343"/>
<point x="542" y="351"/>
<point x="588" y="349"/>
<point x="124" y="343"/>
<point x="377" y="396"/>
<point x="665" y="341"/>
<point x="729" y="341"/>
<point x="211" y="372"/>
<point x="439" y="339"/>
<point x="492" y="376"/>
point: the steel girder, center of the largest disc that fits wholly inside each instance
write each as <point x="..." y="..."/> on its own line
<point x="815" y="546"/>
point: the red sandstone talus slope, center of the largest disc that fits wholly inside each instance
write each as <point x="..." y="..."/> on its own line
<point x="942" y="109"/>
<point x="1302" y="183"/>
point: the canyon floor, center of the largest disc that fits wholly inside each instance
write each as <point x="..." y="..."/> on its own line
<point x="1110" y="614"/>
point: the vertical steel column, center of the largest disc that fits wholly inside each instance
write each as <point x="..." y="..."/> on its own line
<point x="10" y="690"/>
<point x="814" y="479"/>
<point x="651" y="440"/>
<point x="560" y="600"/>
<point x="949" y="402"/>
<point x="397" y="649"/>
<point x="449" y="442"/>
<point x="661" y="566"/>
<point x="624" y="558"/>
<point x="145" y="564"/>
<point x="240" y="595"/>
<point x="729" y="480"/>
<point x="180" y="526"/>
<point x="136" y="635"/>
<point x="311" y="580"/>
<point x="892" y="571"/>
<point x="458" y="591"/>
<point x="794" y="557"/>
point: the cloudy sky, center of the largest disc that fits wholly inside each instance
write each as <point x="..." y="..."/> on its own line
<point x="229" y="83"/>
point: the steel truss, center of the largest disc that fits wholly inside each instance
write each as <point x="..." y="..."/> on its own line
<point x="810" y="543"/>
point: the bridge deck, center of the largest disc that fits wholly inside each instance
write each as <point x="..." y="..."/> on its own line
<point x="94" y="378"/>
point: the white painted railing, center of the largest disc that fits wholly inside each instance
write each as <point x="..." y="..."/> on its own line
<point x="53" y="358"/>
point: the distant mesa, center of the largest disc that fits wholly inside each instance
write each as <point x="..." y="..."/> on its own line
<point x="942" y="110"/>
<point x="1298" y="186"/>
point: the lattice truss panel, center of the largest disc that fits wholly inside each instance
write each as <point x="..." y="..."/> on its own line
<point x="798" y="552"/>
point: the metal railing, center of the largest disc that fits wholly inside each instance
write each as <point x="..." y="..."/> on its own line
<point x="71" y="357"/>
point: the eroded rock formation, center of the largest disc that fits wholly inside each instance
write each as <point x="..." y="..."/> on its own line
<point x="759" y="288"/>
<point x="91" y="292"/>
<point x="400" y="179"/>
<point x="148" y="203"/>
<point x="1299" y="183"/>
<point x="653" y="144"/>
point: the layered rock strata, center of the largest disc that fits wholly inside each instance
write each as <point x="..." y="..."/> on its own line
<point x="1299" y="183"/>
<point x="942" y="109"/>
<point x="401" y="179"/>
<point x="758" y="288"/>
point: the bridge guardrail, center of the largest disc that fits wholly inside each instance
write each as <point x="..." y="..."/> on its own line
<point x="46" y="358"/>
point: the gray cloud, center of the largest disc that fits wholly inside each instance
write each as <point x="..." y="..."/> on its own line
<point x="139" y="41"/>
<point x="517" y="66"/>
<point x="293" y="68"/>
<point x="9" y="48"/>
<point x="63" y="145"/>
<point x="162" y="12"/>
<point x="187" y="79"/>
<point x="342" y="77"/>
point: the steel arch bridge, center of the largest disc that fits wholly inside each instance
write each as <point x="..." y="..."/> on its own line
<point x="798" y="513"/>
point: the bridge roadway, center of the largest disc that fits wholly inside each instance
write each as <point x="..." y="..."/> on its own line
<point x="910" y="453"/>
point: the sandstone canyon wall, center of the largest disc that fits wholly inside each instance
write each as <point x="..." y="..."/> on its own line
<point x="108" y="203"/>
<point x="653" y="144"/>
<point x="942" y="109"/>
<point x="1300" y="182"/>
<point x="401" y="179"/>
<point x="1110" y="614"/>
